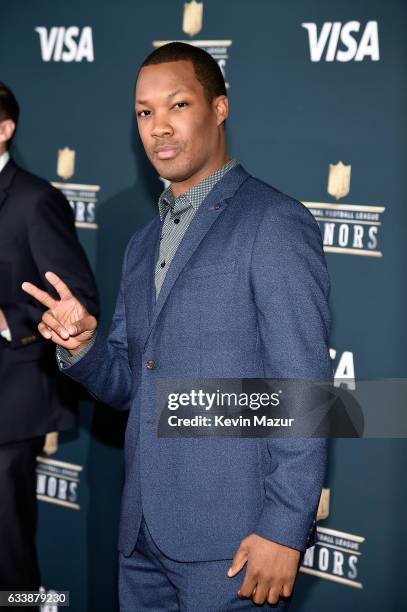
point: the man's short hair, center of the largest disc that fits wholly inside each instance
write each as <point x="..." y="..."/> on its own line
<point x="9" y="108"/>
<point x="206" y="68"/>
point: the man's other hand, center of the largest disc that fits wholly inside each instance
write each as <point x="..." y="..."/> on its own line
<point x="66" y="322"/>
<point x="271" y="569"/>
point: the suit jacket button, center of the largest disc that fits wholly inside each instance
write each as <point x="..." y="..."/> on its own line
<point x="150" y="364"/>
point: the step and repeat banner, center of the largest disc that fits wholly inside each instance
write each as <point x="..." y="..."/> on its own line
<point x="317" y="95"/>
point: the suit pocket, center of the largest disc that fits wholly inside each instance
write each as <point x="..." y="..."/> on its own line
<point x="226" y="266"/>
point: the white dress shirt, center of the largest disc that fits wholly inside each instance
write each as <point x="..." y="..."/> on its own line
<point x="4" y="159"/>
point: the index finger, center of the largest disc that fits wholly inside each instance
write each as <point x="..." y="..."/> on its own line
<point x="42" y="296"/>
<point x="63" y="290"/>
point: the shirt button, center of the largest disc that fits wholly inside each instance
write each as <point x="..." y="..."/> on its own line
<point x="150" y="364"/>
<point x="162" y="264"/>
<point x="176" y="220"/>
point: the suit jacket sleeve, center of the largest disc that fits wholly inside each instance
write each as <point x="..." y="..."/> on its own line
<point x="104" y="369"/>
<point x="54" y="246"/>
<point x="291" y="289"/>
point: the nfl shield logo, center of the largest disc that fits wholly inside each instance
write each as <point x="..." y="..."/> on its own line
<point x="66" y="163"/>
<point x="339" y="180"/>
<point x="323" y="507"/>
<point x="51" y="443"/>
<point x="192" y="22"/>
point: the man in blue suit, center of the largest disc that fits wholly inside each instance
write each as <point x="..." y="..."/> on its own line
<point x="228" y="281"/>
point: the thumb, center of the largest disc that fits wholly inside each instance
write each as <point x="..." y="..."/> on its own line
<point x="238" y="562"/>
<point x="86" y="324"/>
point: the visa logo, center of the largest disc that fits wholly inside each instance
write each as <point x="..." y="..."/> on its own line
<point x="61" y="44"/>
<point x="343" y="42"/>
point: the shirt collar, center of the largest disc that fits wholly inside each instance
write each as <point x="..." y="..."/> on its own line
<point x="195" y="195"/>
<point x="4" y="159"/>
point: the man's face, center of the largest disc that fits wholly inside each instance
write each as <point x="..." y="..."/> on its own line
<point x="7" y="128"/>
<point x="179" y="128"/>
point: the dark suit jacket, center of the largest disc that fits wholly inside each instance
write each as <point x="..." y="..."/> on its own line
<point x="245" y="296"/>
<point x="37" y="234"/>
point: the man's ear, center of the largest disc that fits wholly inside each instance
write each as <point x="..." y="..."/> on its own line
<point x="7" y="129"/>
<point x="221" y="105"/>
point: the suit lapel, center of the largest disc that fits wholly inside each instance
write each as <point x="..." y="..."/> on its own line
<point x="154" y="250"/>
<point x="140" y="280"/>
<point x="6" y="178"/>
<point x="3" y="195"/>
<point x="209" y="210"/>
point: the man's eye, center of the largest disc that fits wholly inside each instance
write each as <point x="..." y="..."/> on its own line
<point x="180" y="104"/>
<point x="143" y="113"/>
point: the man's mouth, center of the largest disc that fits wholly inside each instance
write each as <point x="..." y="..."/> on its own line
<point x="166" y="152"/>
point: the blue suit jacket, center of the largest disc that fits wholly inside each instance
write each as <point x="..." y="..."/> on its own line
<point x="246" y="295"/>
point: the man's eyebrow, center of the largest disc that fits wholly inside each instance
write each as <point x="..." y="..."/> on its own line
<point x="170" y="95"/>
<point x="174" y="93"/>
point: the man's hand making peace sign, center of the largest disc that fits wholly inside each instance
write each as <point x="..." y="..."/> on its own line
<point x="66" y="322"/>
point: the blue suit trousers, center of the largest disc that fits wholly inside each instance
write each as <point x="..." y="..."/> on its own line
<point x="149" y="580"/>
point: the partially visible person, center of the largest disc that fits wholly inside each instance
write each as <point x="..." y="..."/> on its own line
<point x="36" y="228"/>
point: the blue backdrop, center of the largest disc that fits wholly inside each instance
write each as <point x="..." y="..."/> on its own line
<point x="317" y="94"/>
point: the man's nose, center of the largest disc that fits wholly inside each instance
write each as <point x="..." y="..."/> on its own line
<point x="161" y="126"/>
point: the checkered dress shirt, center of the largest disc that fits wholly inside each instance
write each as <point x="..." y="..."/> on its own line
<point x="177" y="214"/>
